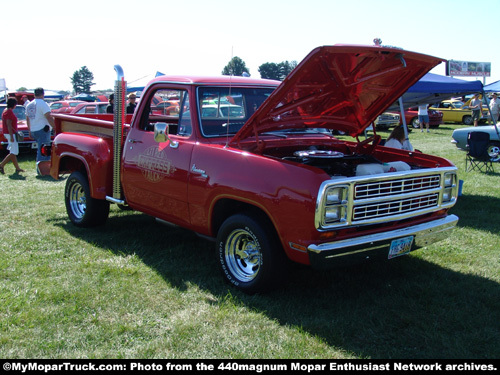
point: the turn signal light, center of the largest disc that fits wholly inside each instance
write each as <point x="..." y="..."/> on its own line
<point x="46" y="150"/>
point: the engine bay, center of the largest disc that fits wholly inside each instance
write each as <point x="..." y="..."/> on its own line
<point x="348" y="162"/>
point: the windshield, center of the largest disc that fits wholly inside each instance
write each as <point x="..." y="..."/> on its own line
<point x="19" y="111"/>
<point x="224" y="110"/>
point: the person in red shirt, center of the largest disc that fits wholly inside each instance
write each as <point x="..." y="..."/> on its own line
<point x="9" y="129"/>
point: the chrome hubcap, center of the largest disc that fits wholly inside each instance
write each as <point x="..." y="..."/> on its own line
<point x="243" y="255"/>
<point x="494" y="153"/>
<point x="77" y="200"/>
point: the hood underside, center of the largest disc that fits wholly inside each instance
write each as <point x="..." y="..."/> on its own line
<point x="339" y="87"/>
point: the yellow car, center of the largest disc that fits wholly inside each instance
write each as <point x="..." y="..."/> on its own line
<point x="455" y="110"/>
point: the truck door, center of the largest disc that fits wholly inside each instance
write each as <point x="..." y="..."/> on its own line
<point x="155" y="175"/>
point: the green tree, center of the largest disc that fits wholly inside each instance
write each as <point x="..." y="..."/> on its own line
<point x="235" y="67"/>
<point x="286" y="68"/>
<point x="277" y="71"/>
<point x="269" y="71"/>
<point x="82" y="80"/>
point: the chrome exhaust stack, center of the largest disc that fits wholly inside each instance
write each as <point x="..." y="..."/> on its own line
<point x="119" y="119"/>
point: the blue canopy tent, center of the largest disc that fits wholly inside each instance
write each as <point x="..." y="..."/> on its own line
<point x="433" y="88"/>
<point x="493" y="87"/>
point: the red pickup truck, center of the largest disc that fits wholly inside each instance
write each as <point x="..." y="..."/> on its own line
<point x="253" y="164"/>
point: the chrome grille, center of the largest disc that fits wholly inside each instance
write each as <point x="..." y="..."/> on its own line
<point x="380" y="198"/>
<point x="401" y="206"/>
<point x="393" y="187"/>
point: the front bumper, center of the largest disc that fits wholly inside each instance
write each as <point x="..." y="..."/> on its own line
<point x="377" y="245"/>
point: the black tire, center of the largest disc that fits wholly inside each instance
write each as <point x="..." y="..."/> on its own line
<point x="82" y="209"/>
<point x="249" y="254"/>
<point x="415" y="123"/>
<point x="467" y="120"/>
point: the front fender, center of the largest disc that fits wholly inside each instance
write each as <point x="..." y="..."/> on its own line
<point x="284" y="191"/>
<point x="91" y="153"/>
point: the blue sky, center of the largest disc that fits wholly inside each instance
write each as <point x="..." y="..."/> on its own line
<point x="200" y="37"/>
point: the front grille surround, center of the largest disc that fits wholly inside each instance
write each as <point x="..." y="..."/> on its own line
<point x="384" y="197"/>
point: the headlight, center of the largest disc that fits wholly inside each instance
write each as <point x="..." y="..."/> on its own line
<point x="447" y="195"/>
<point x="449" y="179"/>
<point x="449" y="184"/>
<point x="335" y="195"/>
<point x="335" y="214"/>
<point x="335" y="210"/>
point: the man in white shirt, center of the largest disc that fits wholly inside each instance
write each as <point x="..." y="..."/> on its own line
<point x="423" y="117"/>
<point x="494" y="107"/>
<point x="40" y="122"/>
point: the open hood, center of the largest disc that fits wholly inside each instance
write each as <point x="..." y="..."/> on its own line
<point x="339" y="87"/>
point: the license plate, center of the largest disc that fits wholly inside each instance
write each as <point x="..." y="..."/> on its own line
<point x="400" y="247"/>
<point x="34" y="145"/>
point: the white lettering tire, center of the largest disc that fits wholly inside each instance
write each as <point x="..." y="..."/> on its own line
<point x="248" y="253"/>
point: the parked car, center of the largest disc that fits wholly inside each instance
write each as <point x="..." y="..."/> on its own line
<point x="411" y="118"/>
<point x="387" y="120"/>
<point x="20" y="113"/>
<point x="90" y="108"/>
<point x="167" y="107"/>
<point x="460" y="139"/>
<point x="457" y="111"/>
<point x="64" y="106"/>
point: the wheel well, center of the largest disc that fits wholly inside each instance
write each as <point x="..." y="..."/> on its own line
<point x="68" y="165"/>
<point x="225" y="208"/>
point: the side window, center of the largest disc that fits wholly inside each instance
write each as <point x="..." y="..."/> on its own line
<point x="185" y="125"/>
<point x="170" y="106"/>
<point x="90" y="109"/>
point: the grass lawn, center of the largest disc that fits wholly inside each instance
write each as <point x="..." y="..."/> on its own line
<point x="137" y="289"/>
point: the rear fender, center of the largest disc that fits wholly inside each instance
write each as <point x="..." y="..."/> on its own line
<point x="87" y="153"/>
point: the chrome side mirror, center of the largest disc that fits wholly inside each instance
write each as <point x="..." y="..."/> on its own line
<point x="161" y="134"/>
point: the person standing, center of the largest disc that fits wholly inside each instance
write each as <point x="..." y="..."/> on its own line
<point x="40" y="122"/>
<point x="111" y="106"/>
<point x="9" y="130"/>
<point x="131" y="103"/>
<point x="475" y="105"/>
<point x="494" y="108"/>
<point x="423" y="117"/>
<point x="26" y="101"/>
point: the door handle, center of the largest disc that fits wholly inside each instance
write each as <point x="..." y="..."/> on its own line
<point x="134" y="141"/>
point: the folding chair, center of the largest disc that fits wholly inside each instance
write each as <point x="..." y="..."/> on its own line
<point x="477" y="157"/>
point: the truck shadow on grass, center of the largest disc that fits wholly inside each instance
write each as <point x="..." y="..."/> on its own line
<point x="478" y="212"/>
<point x="403" y="308"/>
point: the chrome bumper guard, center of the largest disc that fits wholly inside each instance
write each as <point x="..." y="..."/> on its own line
<point x="377" y="245"/>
